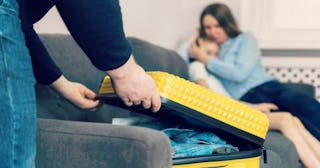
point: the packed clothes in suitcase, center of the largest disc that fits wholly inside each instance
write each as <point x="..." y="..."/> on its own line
<point x="241" y="126"/>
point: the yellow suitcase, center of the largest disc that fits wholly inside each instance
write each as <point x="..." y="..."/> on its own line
<point x="244" y="126"/>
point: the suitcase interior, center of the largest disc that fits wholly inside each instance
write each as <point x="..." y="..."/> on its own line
<point x="249" y="146"/>
<point x="245" y="128"/>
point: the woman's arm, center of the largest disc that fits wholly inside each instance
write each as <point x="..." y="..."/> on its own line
<point x="263" y="107"/>
<point x="198" y="51"/>
<point x="238" y="60"/>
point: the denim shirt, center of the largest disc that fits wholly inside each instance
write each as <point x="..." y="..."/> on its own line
<point x="238" y="65"/>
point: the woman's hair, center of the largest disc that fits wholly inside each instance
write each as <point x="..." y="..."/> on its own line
<point x="222" y="13"/>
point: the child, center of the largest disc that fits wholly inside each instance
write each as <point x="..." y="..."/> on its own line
<point x="308" y="146"/>
<point x="198" y="72"/>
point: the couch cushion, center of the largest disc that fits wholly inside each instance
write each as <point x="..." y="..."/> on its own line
<point x="66" y="144"/>
<point x="284" y="148"/>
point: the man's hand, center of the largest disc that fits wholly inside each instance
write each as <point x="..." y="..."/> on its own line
<point x="76" y="93"/>
<point x="134" y="86"/>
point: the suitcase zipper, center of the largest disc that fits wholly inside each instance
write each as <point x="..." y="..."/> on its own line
<point x="264" y="155"/>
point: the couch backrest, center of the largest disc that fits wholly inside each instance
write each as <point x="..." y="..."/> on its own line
<point x="155" y="58"/>
<point x="77" y="67"/>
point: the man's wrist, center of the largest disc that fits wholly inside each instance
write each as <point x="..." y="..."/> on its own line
<point x="59" y="84"/>
<point x="122" y="71"/>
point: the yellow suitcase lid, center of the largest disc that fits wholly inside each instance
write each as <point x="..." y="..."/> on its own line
<point x="190" y="100"/>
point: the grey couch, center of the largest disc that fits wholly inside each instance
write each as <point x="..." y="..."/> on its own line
<point x="70" y="137"/>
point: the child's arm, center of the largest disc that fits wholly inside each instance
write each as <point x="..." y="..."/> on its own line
<point x="202" y="82"/>
<point x="197" y="71"/>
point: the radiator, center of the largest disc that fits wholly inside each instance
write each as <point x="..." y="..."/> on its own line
<point x="295" y="69"/>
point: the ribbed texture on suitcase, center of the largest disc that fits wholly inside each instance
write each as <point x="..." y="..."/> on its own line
<point x="205" y="101"/>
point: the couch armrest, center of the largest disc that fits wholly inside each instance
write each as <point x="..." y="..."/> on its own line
<point x="284" y="148"/>
<point x="63" y="144"/>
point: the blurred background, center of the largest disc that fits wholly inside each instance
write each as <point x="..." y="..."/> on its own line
<point x="288" y="31"/>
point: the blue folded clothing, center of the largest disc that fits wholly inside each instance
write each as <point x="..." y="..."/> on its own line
<point x="186" y="142"/>
<point x="194" y="142"/>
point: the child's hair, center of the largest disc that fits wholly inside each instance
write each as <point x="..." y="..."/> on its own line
<point x="198" y="45"/>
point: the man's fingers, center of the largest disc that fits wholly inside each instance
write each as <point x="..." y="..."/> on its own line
<point x="137" y="102"/>
<point x="155" y="103"/>
<point x="90" y="94"/>
<point x="146" y="104"/>
<point x="127" y="102"/>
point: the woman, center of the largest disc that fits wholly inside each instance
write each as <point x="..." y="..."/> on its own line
<point x="238" y="67"/>
<point x="290" y="126"/>
<point x="97" y="28"/>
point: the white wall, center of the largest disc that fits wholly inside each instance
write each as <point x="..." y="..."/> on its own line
<point x="163" y="22"/>
<point x="169" y="22"/>
<point x="51" y="23"/>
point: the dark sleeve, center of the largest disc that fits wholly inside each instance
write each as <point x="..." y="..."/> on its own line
<point x="97" y="28"/>
<point x="44" y="69"/>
